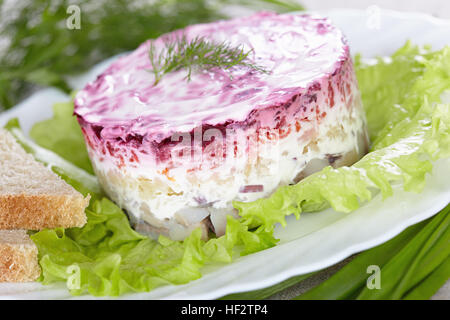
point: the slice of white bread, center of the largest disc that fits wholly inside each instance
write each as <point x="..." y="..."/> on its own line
<point x="32" y="197"/>
<point x="18" y="257"/>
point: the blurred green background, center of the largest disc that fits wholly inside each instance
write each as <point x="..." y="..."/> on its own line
<point x="37" y="49"/>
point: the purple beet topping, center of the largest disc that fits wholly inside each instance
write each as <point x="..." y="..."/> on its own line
<point x="306" y="55"/>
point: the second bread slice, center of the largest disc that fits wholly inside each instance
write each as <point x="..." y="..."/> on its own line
<point x="32" y="197"/>
<point x="18" y="257"/>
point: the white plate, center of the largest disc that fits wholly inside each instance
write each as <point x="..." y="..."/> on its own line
<point x="317" y="240"/>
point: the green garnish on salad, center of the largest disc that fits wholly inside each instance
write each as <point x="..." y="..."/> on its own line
<point x="198" y="54"/>
<point x="408" y="112"/>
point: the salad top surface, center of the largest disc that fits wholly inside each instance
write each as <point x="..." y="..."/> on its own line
<point x="296" y="50"/>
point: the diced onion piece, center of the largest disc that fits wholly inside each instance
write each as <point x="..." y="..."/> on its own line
<point x="191" y="216"/>
<point x="218" y="219"/>
<point x="252" y="188"/>
<point x="314" y="166"/>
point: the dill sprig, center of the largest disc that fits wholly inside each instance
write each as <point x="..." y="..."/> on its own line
<point x="200" y="54"/>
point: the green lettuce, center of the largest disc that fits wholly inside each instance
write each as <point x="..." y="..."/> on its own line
<point x="409" y="127"/>
<point x="107" y="257"/>
<point x="63" y="135"/>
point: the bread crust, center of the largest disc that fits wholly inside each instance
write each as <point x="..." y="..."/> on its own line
<point x="37" y="212"/>
<point x="19" y="261"/>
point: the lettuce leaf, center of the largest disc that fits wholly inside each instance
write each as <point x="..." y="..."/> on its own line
<point x="107" y="257"/>
<point x="409" y="126"/>
<point x="386" y="84"/>
<point x="62" y="134"/>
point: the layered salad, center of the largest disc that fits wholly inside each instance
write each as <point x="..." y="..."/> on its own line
<point x="176" y="152"/>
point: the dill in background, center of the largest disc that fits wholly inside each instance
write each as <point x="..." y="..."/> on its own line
<point x="38" y="50"/>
